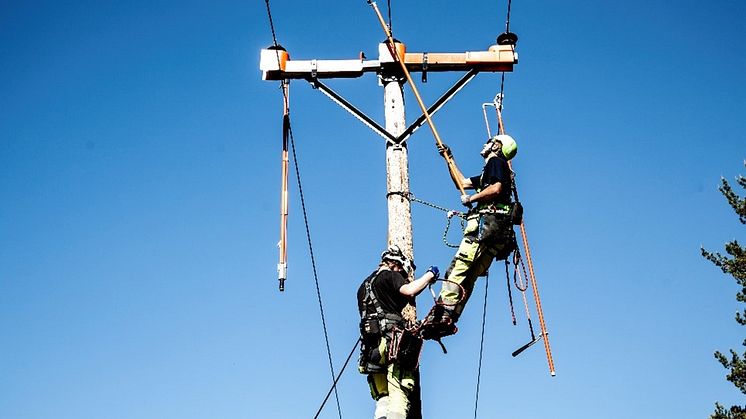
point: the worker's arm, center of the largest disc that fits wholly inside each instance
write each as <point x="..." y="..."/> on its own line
<point x="415" y="287"/>
<point x="485" y="194"/>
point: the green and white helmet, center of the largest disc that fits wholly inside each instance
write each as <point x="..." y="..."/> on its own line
<point x="509" y="146"/>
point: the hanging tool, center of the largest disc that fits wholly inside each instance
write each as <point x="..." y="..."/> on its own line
<point x="517" y="260"/>
<point x="532" y="276"/>
<point x="282" y="266"/>
<point x="395" y="55"/>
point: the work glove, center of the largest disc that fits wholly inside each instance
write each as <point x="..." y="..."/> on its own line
<point x="444" y="150"/>
<point x="466" y="200"/>
<point x="435" y="271"/>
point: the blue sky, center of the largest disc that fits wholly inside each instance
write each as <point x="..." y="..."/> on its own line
<point x="140" y="156"/>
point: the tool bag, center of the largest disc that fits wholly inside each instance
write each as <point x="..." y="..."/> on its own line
<point x="405" y="348"/>
<point x="516" y="213"/>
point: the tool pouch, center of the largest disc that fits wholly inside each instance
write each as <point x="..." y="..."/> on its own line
<point x="507" y="245"/>
<point x="405" y="348"/>
<point x="516" y="213"/>
<point x="371" y="359"/>
<point x="488" y="228"/>
<point x="494" y="227"/>
<point x="370" y="326"/>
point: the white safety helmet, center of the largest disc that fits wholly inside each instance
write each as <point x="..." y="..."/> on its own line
<point x="394" y="254"/>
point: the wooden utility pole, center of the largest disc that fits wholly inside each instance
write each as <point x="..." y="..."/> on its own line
<point x="397" y="167"/>
<point x="277" y="65"/>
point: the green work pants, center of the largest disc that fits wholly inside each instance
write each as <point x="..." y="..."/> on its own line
<point x="391" y="389"/>
<point x="471" y="261"/>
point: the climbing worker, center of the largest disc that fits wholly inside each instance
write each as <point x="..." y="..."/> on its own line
<point x="488" y="234"/>
<point x="390" y="347"/>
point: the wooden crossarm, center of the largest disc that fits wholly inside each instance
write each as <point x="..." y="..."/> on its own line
<point x="496" y="58"/>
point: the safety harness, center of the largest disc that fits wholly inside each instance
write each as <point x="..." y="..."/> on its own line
<point x="385" y="339"/>
<point x="496" y="220"/>
<point x="375" y="322"/>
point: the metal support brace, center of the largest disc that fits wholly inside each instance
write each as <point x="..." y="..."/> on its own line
<point x="437" y="105"/>
<point x="378" y="129"/>
<point x="365" y="119"/>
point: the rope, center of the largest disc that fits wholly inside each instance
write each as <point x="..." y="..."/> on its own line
<point x="334" y="385"/>
<point x="462" y="293"/>
<point x="313" y="265"/>
<point x="481" y="343"/>
<point x="510" y="293"/>
<point x="305" y="214"/>
<point x="502" y="77"/>
<point x="450" y="213"/>
<point x="445" y="233"/>
<point x="277" y="52"/>
<point x="283" y="83"/>
<point x="391" y="26"/>
<point x="271" y="23"/>
<point x="507" y="17"/>
<point x="519" y="259"/>
<point x="522" y="288"/>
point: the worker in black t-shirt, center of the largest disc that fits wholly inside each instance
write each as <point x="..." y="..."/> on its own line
<point x="488" y="233"/>
<point x="381" y="299"/>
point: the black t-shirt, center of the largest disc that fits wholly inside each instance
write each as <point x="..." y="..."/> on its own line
<point x="386" y="288"/>
<point x="495" y="170"/>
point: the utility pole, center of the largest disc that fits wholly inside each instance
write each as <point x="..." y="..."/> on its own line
<point x="397" y="171"/>
<point x="276" y="64"/>
<point x="397" y="166"/>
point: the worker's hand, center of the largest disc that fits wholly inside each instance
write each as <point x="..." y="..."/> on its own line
<point x="434" y="270"/>
<point x="444" y="150"/>
<point x="466" y="200"/>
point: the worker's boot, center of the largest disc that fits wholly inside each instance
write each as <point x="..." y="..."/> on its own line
<point x="438" y="323"/>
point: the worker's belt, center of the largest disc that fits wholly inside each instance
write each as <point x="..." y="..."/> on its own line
<point x="514" y="210"/>
<point x="373" y="325"/>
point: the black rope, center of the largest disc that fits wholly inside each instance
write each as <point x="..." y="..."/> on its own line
<point x="507" y="18"/>
<point x="502" y="78"/>
<point x="313" y="265"/>
<point x="277" y="49"/>
<point x="305" y="214"/>
<point x="271" y="23"/>
<point x="481" y="343"/>
<point x="519" y="260"/>
<point x="391" y="27"/>
<point x="510" y="293"/>
<point x="334" y="385"/>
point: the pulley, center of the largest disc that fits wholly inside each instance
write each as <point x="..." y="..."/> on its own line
<point x="507" y="38"/>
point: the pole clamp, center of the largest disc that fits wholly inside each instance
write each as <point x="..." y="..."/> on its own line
<point x="424" y="67"/>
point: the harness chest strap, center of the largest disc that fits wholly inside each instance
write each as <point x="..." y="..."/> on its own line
<point x="371" y="300"/>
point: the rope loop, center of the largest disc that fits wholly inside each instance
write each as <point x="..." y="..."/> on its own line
<point x="462" y="293"/>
